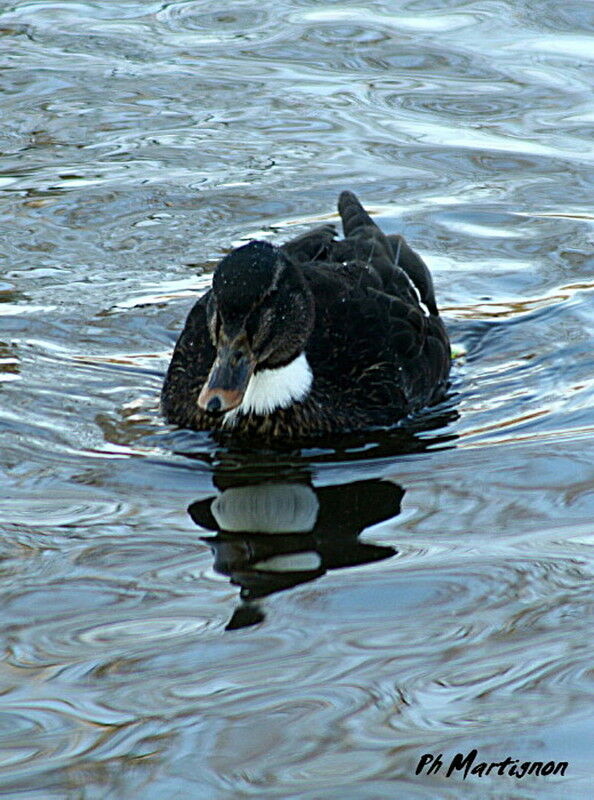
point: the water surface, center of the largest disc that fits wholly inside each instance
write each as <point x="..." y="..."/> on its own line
<point x="428" y="590"/>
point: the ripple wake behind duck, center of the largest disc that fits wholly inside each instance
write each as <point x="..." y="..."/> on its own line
<point x="317" y="337"/>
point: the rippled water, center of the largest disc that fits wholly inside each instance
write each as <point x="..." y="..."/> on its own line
<point x="428" y="591"/>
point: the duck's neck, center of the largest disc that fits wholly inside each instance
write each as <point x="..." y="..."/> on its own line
<point x="271" y="389"/>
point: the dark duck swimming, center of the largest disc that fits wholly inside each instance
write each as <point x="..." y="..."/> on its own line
<point x="314" y="338"/>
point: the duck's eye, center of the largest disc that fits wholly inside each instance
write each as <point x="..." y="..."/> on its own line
<point x="236" y="357"/>
<point x="258" y="328"/>
<point x="252" y="326"/>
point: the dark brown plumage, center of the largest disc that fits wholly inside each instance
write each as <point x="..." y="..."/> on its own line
<point x="362" y="310"/>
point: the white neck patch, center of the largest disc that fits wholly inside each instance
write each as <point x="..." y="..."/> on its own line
<point x="271" y="389"/>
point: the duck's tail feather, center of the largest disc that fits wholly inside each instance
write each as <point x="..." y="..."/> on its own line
<point x="352" y="213"/>
<point x="364" y="240"/>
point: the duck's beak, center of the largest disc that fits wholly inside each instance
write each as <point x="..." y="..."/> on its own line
<point x="228" y="379"/>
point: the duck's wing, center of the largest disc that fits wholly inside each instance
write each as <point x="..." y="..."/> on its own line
<point x="378" y="349"/>
<point x="415" y="341"/>
<point x="359" y="325"/>
<point x="416" y="269"/>
<point x="314" y="245"/>
<point x="391" y="257"/>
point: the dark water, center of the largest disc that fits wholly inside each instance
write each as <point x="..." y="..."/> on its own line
<point x="427" y="591"/>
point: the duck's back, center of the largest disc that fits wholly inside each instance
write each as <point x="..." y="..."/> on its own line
<point x="378" y="344"/>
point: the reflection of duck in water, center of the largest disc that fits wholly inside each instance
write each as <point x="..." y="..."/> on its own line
<point x="316" y="337"/>
<point x="272" y="536"/>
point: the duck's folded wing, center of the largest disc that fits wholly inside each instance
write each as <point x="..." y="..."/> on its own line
<point x="366" y="242"/>
<point x="420" y="344"/>
<point x="405" y="324"/>
<point x="416" y="269"/>
<point x="364" y="332"/>
<point x="314" y="245"/>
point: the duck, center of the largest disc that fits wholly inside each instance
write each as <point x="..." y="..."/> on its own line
<point x="317" y="337"/>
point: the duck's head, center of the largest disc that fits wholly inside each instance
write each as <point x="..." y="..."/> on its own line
<point x="260" y="315"/>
